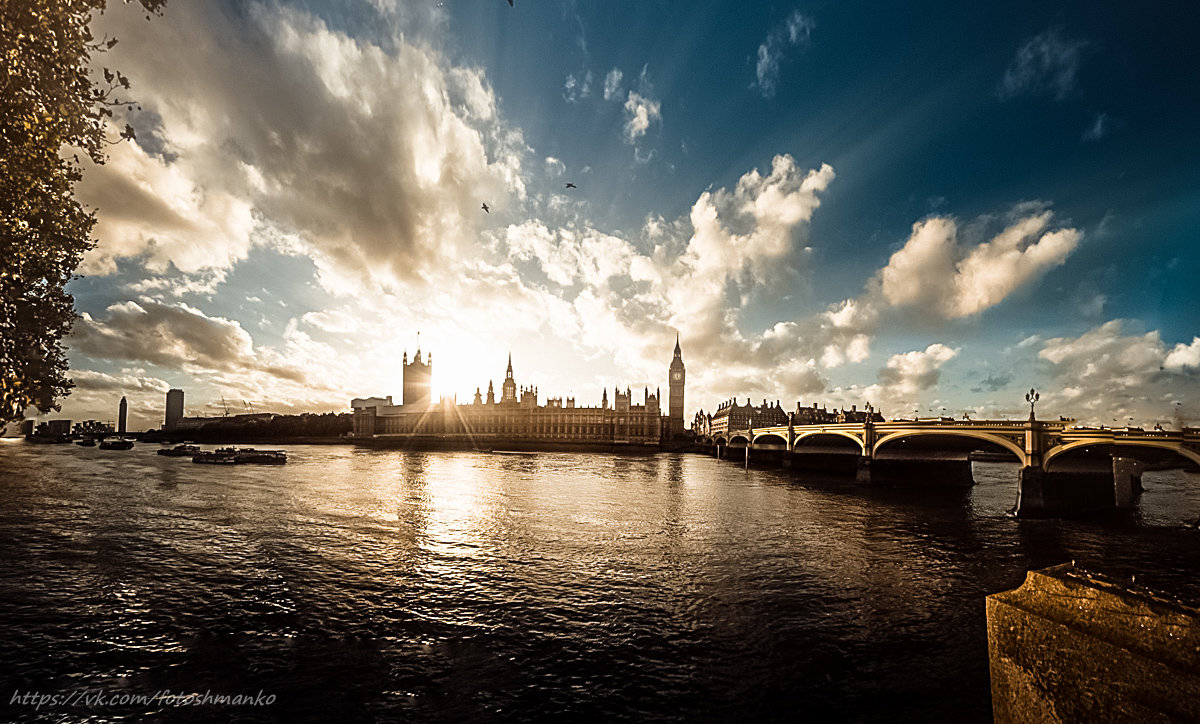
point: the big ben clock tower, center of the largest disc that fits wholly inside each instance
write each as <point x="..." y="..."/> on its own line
<point x="675" y="390"/>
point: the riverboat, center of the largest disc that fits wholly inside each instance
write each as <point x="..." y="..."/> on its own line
<point x="116" y="444"/>
<point x="261" y="457"/>
<point x="234" y="456"/>
<point x="86" y="442"/>
<point x="180" y="451"/>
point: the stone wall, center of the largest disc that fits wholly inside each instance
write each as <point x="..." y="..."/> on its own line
<point x="1071" y="646"/>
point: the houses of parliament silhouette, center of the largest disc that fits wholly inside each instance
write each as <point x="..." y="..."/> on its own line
<point x="516" y="420"/>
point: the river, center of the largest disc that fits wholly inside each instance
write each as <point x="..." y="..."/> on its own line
<point x="362" y="585"/>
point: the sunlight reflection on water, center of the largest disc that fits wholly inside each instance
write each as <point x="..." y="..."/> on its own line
<point x="381" y="585"/>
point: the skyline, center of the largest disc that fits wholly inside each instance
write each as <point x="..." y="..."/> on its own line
<point x="933" y="206"/>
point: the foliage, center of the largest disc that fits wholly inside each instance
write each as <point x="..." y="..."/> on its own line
<point x="278" y="428"/>
<point x="51" y="110"/>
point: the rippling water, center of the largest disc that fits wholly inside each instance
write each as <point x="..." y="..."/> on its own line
<point x="372" y="585"/>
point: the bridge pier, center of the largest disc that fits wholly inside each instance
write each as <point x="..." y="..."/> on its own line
<point x="862" y="474"/>
<point x="1043" y="494"/>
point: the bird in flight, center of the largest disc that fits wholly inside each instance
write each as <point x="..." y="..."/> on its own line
<point x="571" y="185"/>
<point x="510" y="3"/>
<point x="485" y="208"/>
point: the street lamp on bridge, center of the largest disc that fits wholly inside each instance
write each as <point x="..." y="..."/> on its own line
<point x="1032" y="397"/>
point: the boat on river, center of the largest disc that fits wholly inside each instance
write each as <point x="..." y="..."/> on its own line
<point x="180" y="451"/>
<point x="235" y="456"/>
<point x="86" y="442"/>
<point x="119" y="443"/>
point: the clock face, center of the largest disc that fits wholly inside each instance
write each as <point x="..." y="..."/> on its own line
<point x="676" y="376"/>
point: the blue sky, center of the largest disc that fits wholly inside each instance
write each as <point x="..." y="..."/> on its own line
<point x="924" y="206"/>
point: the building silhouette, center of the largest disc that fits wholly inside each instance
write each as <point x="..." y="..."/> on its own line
<point x="517" y="416"/>
<point x="418" y="377"/>
<point x="678" y="375"/>
<point x="732" y="416"/>
<point x="122" y="417"/>
<point x="174" y="409"/>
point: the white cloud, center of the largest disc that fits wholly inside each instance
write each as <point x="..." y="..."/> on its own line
<point x="640" y="112"/>
<point x="1046" y="63"/>
<point x="1183" y="356"/>
<point x="795" y="30"/>
<point x="1115" y="373"/>
<point x="934" y="272"/>
<point x="612" y="84"/>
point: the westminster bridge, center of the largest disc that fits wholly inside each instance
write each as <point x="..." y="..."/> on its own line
<point x="1060" y="472"/>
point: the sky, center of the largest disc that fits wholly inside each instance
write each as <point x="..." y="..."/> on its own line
<point x="931" y="207"/>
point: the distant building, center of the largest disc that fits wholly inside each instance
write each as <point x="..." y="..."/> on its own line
<point x="364" y="402"/>
<point x="174" y="409"/>
<point x="54" y="428"/>
<point x="92" y="427"/>
<point x="516" y="416"/>
<point x="732" y="416"/>
<point x="122" y="416"/>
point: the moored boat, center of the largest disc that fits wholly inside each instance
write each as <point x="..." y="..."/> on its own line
<point x="261" y="457"/>
<point x="119" y="443"/>
<point x="86" y="442"/>
<point x="180" y="451"/>
<point x="223" y="456"/>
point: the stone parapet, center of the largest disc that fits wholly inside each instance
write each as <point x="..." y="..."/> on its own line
<point x="1071" y="646"/>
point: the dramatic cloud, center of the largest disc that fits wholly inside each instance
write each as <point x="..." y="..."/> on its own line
<point x="373" y="160"/>
<point x="796" y="30"/>
<point x="170" y="336"/>
<point x="935" y="273"/>
<point x="1046" y="63"/>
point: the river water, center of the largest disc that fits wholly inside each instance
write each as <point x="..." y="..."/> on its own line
<point x="361" y="585"/>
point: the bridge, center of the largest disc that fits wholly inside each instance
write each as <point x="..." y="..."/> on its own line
<point x="1048" y="483"/>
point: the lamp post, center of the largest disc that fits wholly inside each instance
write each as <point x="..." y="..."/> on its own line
<point x="1032" y="397"/>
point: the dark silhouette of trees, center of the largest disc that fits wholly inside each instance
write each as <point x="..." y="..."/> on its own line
<point x="51" y="110"/>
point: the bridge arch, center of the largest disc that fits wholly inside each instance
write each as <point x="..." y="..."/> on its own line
<point x="1000" y="440"/>
<point x="837" y="433"/>
<point x="769" y="438"/>
<point x="1175" y="447"/>
<point x="738" y="440"/>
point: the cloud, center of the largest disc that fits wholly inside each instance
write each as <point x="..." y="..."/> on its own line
<point x="576" y="90"/>
<point x="994" y="383"/>
<point x="92" y="381"/>
<point x="1109" y="371"/>
<point x="795" y="30"/>
<point x="913" y="372"/>
<point x="1183" y="356"/>
<point x="938" y="275"/>
<point x="1100" y="127"/>
<point x="372" y="156"/>
<point x="1046" y="63"/>
<point x="640" y="112"/>
<point x="170" y="336"/>
<point x="612" y="84"/>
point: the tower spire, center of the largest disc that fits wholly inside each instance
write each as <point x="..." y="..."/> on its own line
<point x="508" y="372"/>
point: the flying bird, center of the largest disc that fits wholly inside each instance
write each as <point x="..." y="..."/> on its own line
<point x="485" y="208"/>
<point x="571" y="185"/>
<point x="510" y="3"/>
